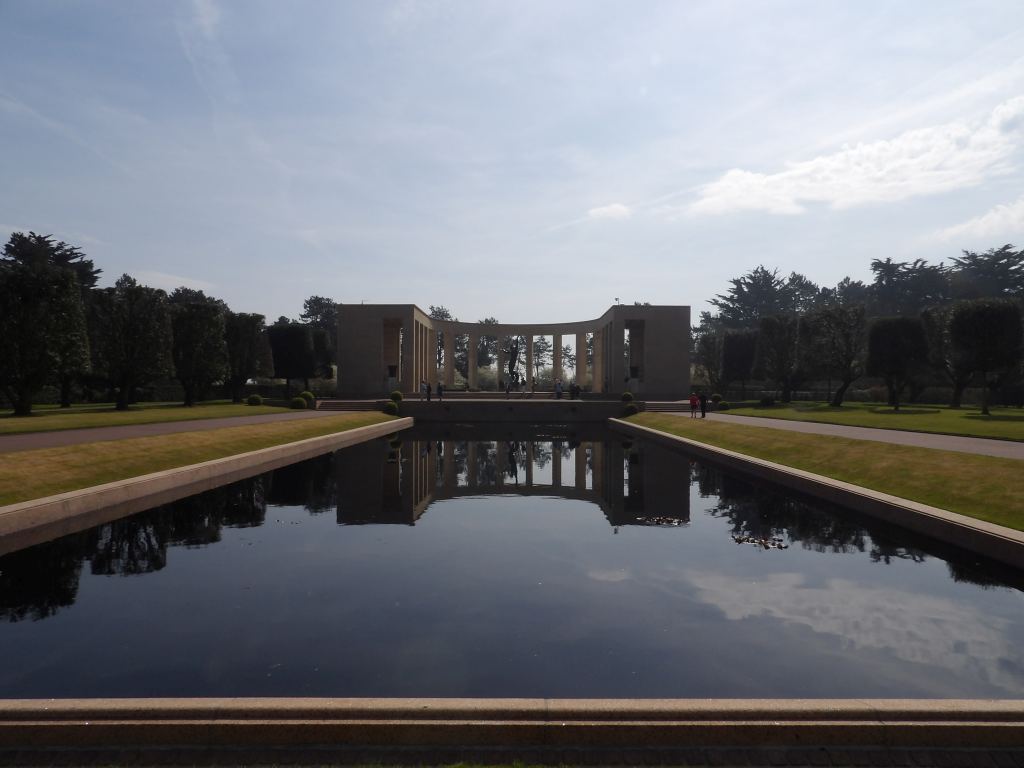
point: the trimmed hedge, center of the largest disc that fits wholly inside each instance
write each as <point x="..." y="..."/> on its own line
<point x="298" y="403"/>
<point x="627" y="397"/>
<point x="391" y="407"/>
<point x="396" y="396"/>
<point x="254" y="400"/>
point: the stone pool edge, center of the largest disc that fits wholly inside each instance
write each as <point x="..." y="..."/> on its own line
<point x="594" y="725"/>
<point x="38" y="520"/>
<point x="997" y="542"/>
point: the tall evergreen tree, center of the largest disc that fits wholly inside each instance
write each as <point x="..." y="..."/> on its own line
<point x="248" y="351"/>
<point x="198" y="346"/>
<point x="897" y="351"/>
<point x="987" y="335"/>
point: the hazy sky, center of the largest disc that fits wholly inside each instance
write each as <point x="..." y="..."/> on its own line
<point x="530" y="161"/>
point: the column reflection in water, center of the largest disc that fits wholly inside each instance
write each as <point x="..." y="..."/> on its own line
<point x="396" y="481"/>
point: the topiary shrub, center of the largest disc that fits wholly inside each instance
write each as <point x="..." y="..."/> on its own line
<point x="254" y="400"/>
<point x="630" y="409"/>
<point x="627" y="397"/>
<point x="716" y="398"/>
<point x="722" y="405"/>
<point x="391" y="408"/>
<point x="767" y="402"/>
<point x="396" y="396"/>
<point x="309" y="397"/>
<point x="298" y="403"/>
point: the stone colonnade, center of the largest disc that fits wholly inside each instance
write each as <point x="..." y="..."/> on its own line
<point x="384" y="347"/>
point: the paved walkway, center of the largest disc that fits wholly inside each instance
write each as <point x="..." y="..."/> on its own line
<point x="980" y="445"/>
<point x="33" y="440"/>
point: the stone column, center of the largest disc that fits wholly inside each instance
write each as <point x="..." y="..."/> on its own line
<point x="581" y="465"/>
<point x="529" y="361"/>
<point x="501" y="460"/>
<point x="432" y="356"/>
<point x="471" y="464"/>
<point x="597" y="372"/>
<point x="556" y="356"/>
<point x="449" y="360"/>
<point x="529" y="464"/>
<point x="581" y="359"/>
<point x="406" y="373"/>
<point x="474" y="340"/>
<point x="501" y="375"/>
<point x="448" y="468"/>
<point x="617" y="354"/>
<point x="556" y="464"/>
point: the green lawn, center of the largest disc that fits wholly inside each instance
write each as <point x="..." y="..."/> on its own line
<point x="984" y="487"/>
<point x="1003" y="424"/>
<point x="52" y="418"/>
<point x="28" y="475"/>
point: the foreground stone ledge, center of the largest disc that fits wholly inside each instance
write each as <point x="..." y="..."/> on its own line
<point x="40" y="520"/>
<point x="509" y="723"/>
<point x="997" y="542"/>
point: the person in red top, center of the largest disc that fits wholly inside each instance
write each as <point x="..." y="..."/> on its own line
<point x="694" y="402"/>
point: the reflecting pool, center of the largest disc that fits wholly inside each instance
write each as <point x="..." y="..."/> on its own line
<point x="494" y="562"/>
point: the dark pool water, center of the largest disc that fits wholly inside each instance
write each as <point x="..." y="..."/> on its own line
<point x="482" y="562"/>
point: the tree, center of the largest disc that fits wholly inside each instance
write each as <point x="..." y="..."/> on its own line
<point x="321" y="314"/>
<point x="248" y="351"/>
<point x="38" y="251"/>
<point x="906" y="288"/>
<point x="842" y="335"/>
<point x="43" y="329"/>
<point x="999" y="272"/>
<point x="541" y="353"/>
<point x="568" y="356"/>
<point x="198" y="346"/>
<point x="760" y="293"/>
<point x="487" y="347"/>
<point x="708" y="338"/>
<point x="942" y="356"/>
<point x="987" y="335"/>
<point x="778" y="352"/>
<point x="739" y="349"/>
<point x="131" y="336"/>
<point x="897" y="351"/>
<point x="440" y="313"/>
<point x="292" y="347"/>
<point x="513" y="349"/>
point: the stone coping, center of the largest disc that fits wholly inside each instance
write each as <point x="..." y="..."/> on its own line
<point x="997" y="542"/>
<point x="40" y="520"/>
<point x="509" y="723"/>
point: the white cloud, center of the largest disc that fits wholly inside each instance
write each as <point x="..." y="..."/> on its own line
<point x="613" y="211"/>
<point x="169" y="282"/>
<point x="1002" y="221"/>
<point x="207" y="16"/>
<point x="918" y="162"/>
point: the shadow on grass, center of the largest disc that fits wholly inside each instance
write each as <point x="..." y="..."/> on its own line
<point x="888" y="411"/>
<point x="1017" y="418"/>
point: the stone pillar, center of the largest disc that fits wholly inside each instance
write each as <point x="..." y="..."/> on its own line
<point x="406" y="373"/>
<point x="581" y="465"/>
<point x="448" y="468"/>
<point x="581" y="359"/>
<point x="556" y="464"/>
<point x="617" y="358"/>
<point x="449" y="360"/>
<point x="529" y="361"/>
<point x="597" y="372"/>
<point x="556" y="356"/>
<point x="529" y="464"/>
<point x="471" y="464"/>
<point x="432" y="356"/>
<point x="501" y="374"/>
<point x="474" y="341"/>
<point x="501" y="460"/>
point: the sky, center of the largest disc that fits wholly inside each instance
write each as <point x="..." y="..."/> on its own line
<point x="529" y="161"/>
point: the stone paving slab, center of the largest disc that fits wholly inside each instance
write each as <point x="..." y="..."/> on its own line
<point x="33" y="440"/>
<point x="1006" y="449"/>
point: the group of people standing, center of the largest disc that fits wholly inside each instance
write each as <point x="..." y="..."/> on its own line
<point x="426" y="391"/>
<point x="700" y="401"/>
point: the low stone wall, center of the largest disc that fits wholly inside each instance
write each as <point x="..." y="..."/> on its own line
<point x="993" y="541"/>
<point x="513" y="409"/>
<point x="33" y="522"/>
<point x="596" y="730"/>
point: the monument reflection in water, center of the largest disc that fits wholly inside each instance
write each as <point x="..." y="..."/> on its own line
<point x="497" y="562"/>
<point x="396" y="481"/>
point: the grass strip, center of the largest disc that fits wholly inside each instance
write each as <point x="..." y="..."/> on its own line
<point x="984" y="487"/>
<point x="51" y="420"/>
<point x="1002" y="424"/>
<point x="28" y="475"/>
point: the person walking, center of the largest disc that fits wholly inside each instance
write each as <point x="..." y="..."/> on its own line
<point x="694" y="402"/>
<point x="703" y="405"/>
<point x="428" y="391"/>
<point x="558" y="389"/>
<point x="440" y="391"/>
<point x="423" y="389"/>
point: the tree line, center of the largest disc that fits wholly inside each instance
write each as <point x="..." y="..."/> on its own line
<point x="60" y="330"/>
<point x="915" y="324"/>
